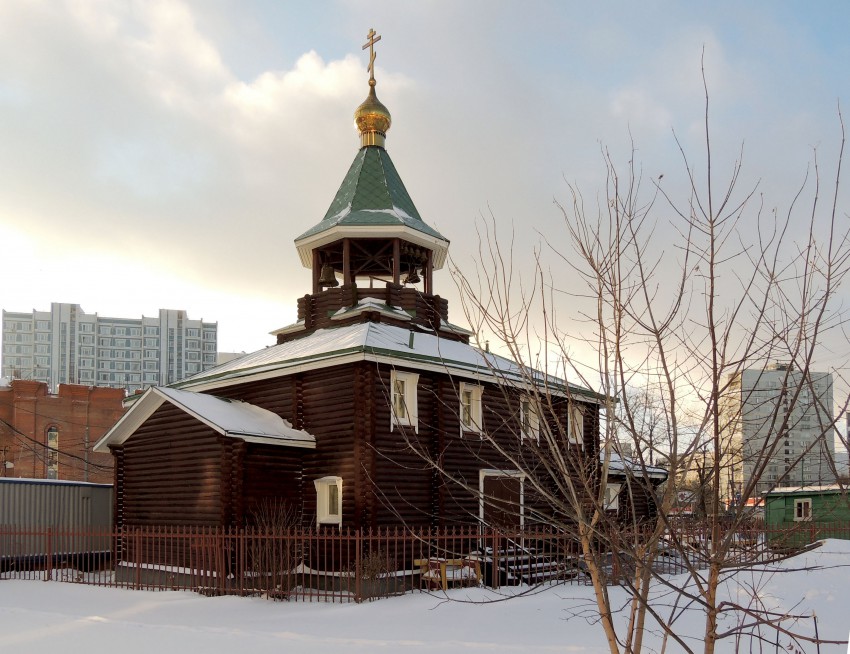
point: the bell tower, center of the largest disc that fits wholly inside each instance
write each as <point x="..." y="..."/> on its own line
<point x="372" y="256"/>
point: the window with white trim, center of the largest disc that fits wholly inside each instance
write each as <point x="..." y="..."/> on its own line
<point x="612" y="497"/>
<point x="329" y="501"/>
<point x="576" y="426"/>
<point x="529" y="418"/>
<point x="470" y="407"/>
<point x="403" y="399"/>
<point x="803" y="509"/>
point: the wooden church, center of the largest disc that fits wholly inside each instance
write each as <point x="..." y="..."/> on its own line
<point x="373" y="409"/>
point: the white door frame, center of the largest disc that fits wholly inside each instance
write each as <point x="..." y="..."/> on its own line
<point x="513" y="474"/>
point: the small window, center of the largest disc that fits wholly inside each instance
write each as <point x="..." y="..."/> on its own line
<point x="803" y="510"/>
<point x="576" y="426"/>
<point x="329" y="501"/>
<point x="612" y="497"/>
<point x="404" y="399"/>
<point x="470" y="407"/>
<point x="529" y="418"/>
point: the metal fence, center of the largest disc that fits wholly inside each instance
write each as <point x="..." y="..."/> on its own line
<point x="293" y="564"/>
<point x="351" y="565"/>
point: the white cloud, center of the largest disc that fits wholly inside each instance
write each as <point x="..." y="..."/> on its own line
<point x="640" y="109"/>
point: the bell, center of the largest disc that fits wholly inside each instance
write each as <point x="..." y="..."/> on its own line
<point x="412" y="277"/>
<point x="328" y="278"/>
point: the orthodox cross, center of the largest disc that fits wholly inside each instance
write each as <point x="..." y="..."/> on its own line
<point x="373" y="39"/>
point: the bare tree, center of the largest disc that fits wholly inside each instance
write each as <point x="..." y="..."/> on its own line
<point x="678" y="297"/>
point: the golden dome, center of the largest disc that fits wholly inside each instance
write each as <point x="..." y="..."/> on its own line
<point x="373" y="119"/>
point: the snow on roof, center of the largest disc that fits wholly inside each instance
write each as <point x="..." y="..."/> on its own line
<point x="232" y="418"/>
<point x="287" y="329"/>
<point x="824" y="488"/>
<point x="377" y="342"/>
<point x="616" y="464"/>
<point x="371" y="304"/>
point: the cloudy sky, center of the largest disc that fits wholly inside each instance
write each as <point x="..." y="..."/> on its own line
<point x="165" y="154"/>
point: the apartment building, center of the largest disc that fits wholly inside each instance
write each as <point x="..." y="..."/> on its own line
<point x="66" y="345"/>
<point x="777" y="427"/>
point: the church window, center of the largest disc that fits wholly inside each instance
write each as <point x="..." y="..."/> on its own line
<point x="529" y="418"/>
<point x="576" y="426"/>
<point x="470" y="407"/>
<point x="329" y="501"/>
<point x="612" y="497"/>
<point x="404" y="399"/>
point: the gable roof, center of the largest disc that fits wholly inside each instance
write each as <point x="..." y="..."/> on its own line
<point x="231" y="418"/>
<point x="372" y="201"/>
<point x="378" y="342"/>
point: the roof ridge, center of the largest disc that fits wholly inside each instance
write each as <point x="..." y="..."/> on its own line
<point x="400" y="189"/>
<point x="346" y="198"/>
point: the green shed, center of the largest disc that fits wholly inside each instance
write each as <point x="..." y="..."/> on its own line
<point x="797" y="516"/>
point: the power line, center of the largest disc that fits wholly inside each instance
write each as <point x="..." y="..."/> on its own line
<point x="28" y="441"/>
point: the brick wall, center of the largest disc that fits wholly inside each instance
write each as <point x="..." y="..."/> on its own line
<point x="81" y="414"/>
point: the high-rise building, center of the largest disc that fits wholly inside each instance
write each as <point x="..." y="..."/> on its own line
<point x="66" y="345"/>
<point x="777" y="427"/>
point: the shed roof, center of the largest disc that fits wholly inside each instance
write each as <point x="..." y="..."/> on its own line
<point x="808" y="490"/>
<point x="627" y="467"/>
<point x="231" y="418"/>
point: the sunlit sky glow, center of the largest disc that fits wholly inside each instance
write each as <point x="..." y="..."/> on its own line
<point x="166" y="154"/>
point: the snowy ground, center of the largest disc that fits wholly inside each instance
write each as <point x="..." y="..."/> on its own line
<point x="51" y="616"/>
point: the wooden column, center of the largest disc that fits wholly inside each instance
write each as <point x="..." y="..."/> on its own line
<point x="396" y="261"/>
<point x="316" y="271"/>
<point x="346" y="262"/>
<point x="429" y="273"/>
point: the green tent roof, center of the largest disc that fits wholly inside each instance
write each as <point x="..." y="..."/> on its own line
<point x="372" y="194"/>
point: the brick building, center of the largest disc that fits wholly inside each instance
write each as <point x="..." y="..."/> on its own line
<point x="50" y="436"/>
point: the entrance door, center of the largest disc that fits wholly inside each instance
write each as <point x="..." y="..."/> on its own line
<point x="501" y="499"/>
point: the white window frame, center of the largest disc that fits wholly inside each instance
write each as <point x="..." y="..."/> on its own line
<point x="575" y="426"/>
<point x="324" y="515"/>
<point x="404" y="411"/>
<point x="529" y="418"/>
<point x="471" y="416"/>
<point x="802" y="503"/>
<point x="611" y="501"/>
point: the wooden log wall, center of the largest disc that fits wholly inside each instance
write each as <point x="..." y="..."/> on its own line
<point x="276" y="395"/>
<point x="175" y="470"/>
<point x="637" y="500"/>
<point x="171" y="473"/>
<point x="271" y="476"/>
<point x="329" y="414"/>
<point x="410" y="485"/>
<point x="269" y="473"/>
<point x="364" y="423"/>
<point x="118" y="486"/>
<point x="402" y="473"/>
<point x="316" y="309"/>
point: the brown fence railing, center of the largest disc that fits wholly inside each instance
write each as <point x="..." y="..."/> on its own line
<point x="351" y="565"/>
